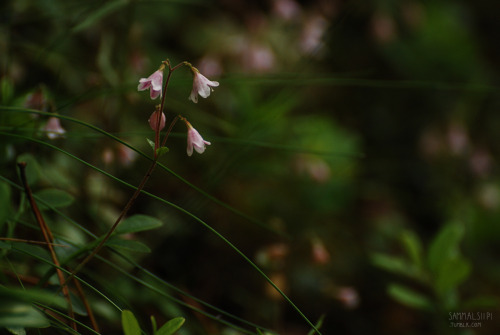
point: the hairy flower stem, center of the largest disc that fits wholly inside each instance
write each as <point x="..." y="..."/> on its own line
<point x="143" y="181"/>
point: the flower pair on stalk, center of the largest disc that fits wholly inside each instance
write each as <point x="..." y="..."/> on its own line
<point x="201" y="86"/>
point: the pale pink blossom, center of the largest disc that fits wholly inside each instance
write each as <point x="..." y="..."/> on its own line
<point x="201" y="85"/>
<point x="53" y="128"/>
<point x="153" y="82"/>
<point x="153" y="121"/>
<point x="194" y="140"/>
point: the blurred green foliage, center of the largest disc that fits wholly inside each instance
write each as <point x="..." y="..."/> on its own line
<point x="353" y="159"/>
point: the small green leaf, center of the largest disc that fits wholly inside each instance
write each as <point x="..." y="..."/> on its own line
<point x="138" y="223"/>
<point x="317" y="325"/>
<point x="444" y="247"/>
<point x="130" y="324"/>
<point x="408" y="297"/>
<point x="161" y="151"/>
<point x="153" y="324"/>
<point x="53" y="198"/>
<point x="129" y="245"/>
<point x="413" y="247"/>
<point x="171" y="326"/>
<point x="151" y="143"/>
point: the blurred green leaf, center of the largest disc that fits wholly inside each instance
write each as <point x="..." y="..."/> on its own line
<point x="408" y="297"/>
<point x="171" y="326"/>
<point x="17" y="330"/>
<point x="16" y="310"/>
<point x="31" y="296"/>
<point x="129" y="245"/>
<point x="130" y="324"/>
<point x="138" y="223"/>
<point x="394" y="264"/>
<point x="451" y="274"/>
<point x="14" y="314"/>
<point x="413" y="247"/>
<point x="444" y="247"/>
<point x="53" y="198"/>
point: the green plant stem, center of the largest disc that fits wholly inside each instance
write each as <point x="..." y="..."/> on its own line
<point x="143" y="181"/>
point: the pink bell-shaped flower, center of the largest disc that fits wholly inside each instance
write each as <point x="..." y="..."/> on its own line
<point x="194" y="140"/>
<point x="154" y="82"/>
<point x="201" y="85"/>
<point x="53" y="128"/>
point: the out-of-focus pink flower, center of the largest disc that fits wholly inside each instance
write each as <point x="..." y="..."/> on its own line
<point x="319" y="253"/>
<point x="153" y="82"/>
<point x="153" y="121"/>
<point x="201" y="85"/>
<point x="194" y="140"/>
<point x="126" y="155"/>
<point x="348" y="296"/>
<point x="53" y="128"/>
<point x="258" y="58"/>
<point x="286" y="9"/>
<point x="312" y="34"/>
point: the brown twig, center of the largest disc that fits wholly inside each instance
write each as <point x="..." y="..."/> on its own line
<point x="82" y="296"/>
<point x="49" y="239"/>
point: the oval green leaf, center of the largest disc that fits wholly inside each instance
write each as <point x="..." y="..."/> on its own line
<point x="129" y="245"/>
<point x="138" y="223"/>
<point x="171" y="326"/>
<point x="53" y="198"/>
<point x="408" y="297"/>
<point x="130" y="324"/>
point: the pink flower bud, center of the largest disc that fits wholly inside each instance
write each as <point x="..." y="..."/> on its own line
<point x="153" y="121"/>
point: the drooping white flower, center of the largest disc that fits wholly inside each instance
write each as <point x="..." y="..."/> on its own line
<point x="194" y="140"/>
<point x="201" y="85"/>
<point x="154" y="82"/>
<point x="53" y="128"/>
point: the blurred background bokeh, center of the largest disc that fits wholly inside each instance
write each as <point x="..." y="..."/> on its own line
<point x="355" y="143"/>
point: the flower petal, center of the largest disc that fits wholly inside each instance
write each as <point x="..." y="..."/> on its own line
<point x="154" y="94"/>
<point x="143" y="84"/>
